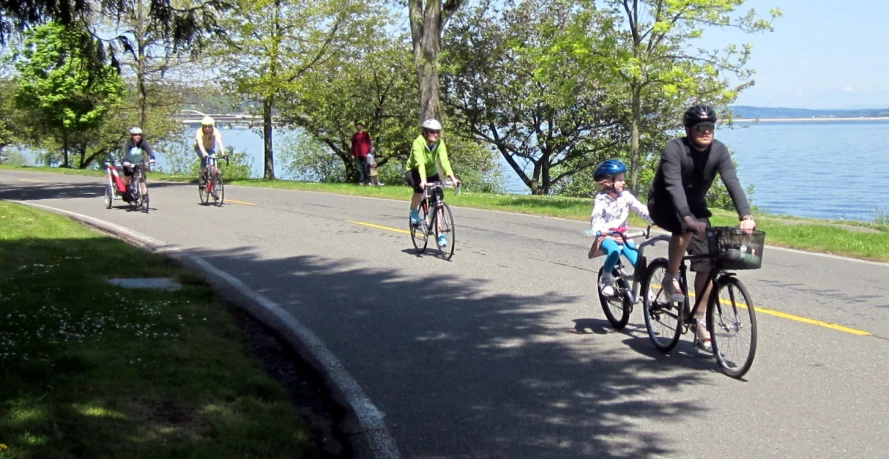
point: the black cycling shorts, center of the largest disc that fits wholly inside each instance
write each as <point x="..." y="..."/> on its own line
<point x="667" y="217"/>
<point x="412" y="178"/>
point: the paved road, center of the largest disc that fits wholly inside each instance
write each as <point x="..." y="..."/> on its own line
<point x="504" y="351"/>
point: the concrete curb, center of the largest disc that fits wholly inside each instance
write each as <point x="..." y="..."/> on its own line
<point x="366" y="428"/>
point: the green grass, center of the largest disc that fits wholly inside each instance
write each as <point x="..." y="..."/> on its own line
<point x="841" y="237"/>
<point x="92" y="370"/>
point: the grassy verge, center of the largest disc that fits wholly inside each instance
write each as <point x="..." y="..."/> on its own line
<point x="841" y="237"/>
<point x="88" y="369"/>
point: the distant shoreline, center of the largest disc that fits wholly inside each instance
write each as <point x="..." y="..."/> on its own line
<point x="772" y="120"/>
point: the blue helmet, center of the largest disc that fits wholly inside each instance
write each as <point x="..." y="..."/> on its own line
<point x="609" y="169"/>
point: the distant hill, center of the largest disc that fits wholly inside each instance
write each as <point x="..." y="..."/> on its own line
<point x="743" y="111"/>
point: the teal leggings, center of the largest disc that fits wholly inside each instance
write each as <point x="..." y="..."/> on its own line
<point x="613" y="250"/>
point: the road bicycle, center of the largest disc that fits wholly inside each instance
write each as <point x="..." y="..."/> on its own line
<point x="131" y="194"/>
<point x="730" y="315"/>
<point x="212" y="186"/>
<point x="435" y="222"/>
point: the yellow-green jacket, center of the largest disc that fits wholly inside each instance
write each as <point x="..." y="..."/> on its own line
<point x="423" y="159"/>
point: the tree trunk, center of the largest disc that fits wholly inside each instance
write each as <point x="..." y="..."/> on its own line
<point x="634" y="137"/>
<point x="140" y="64"/>
<point x="65" y="146"/>
<point x="426" y="25"/>
<point x="267" y="138"/>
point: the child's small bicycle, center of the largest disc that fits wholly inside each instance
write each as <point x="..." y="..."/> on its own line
<point x="618" y="307"/>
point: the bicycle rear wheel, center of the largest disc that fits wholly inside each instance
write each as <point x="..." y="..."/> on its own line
<point x="419" y="233"/>
<point x="617" y="308"/>
<point x="731" y="319"/>
<point x="219" y="191"/>
<point x="663" y="318"/>
<point x="445" y="221"/>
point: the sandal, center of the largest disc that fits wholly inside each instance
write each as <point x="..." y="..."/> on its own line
<point x="702" y="336"/>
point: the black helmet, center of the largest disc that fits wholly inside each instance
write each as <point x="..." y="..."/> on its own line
<point x="699" y="114"/>
<point x="609" y="169"/>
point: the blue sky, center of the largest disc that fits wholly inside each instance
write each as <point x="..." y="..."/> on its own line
<point x="823" y="54"/>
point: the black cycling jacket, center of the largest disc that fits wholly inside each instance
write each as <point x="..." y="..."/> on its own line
<point x="128" y="144"/>
<point x="685" y="175"/>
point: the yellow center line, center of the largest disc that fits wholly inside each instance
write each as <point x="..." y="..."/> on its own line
<point x="241" y="202"/>
<point x="34" y="181"/>
<point x="387" y="228"/>
<point x="804" y="320"/>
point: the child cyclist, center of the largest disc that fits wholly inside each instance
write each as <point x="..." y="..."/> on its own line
<point x="611" y="208"/>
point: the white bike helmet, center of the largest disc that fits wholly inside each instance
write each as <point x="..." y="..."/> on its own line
<point x="431" y="124"/>
<point x="207" y="121"/>
<point x="135" y="131"/>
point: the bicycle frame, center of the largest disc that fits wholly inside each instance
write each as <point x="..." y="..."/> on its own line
<point x="434" y="195"/>
<point x="716" y="270"/>
<point x="639" y="269"/>
<point x="212" y="173"/>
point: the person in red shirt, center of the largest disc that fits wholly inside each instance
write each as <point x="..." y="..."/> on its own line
<point x="361" y="146"/>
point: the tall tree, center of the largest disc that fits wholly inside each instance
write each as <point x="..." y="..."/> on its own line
<point x="428" y="19"/>
<point x="372" y="83"/>
<point x="54" y="81"/>
<point x="142" y="45"/>
<point x="657" y="54"/>
<point x="512" y="88"/>
<point x="274" y="43"/>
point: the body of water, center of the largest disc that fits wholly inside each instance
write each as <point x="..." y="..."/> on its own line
<point x="817" y="169"/>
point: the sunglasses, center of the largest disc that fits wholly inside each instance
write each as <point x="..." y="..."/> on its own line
<point x="434" y="132"/>
<point x="705" y="127"/>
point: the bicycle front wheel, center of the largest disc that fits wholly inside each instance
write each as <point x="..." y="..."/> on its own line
<point x="445" y="223"/>
<point x="109" y="196"/>
<point x="419" y="234"/>
<point x="617" y="308"/>
<point x="143" y="198"/>
<point x="204" y="191"/>
<point x="663" y="318"/>
<point x="219" y="191"/>
<point x="731" y="319"/>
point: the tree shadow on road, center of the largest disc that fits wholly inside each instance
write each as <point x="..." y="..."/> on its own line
<point x="461" y="371"/>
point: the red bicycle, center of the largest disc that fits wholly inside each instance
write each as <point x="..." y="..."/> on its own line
<point x="211" y="185"/>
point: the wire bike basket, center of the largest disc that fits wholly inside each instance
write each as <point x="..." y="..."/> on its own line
<point x="733" y="248"/>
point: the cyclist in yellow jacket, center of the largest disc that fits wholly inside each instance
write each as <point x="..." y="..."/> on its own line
<point x="426" y="149"/>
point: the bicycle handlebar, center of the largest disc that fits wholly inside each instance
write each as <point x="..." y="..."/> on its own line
<point x="216" y="158"/>
<point x="646" y="233"/>
<point x="442" y="184"/>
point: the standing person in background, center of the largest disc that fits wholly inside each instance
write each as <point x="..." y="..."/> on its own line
<point x="372" y="168"/>
<point x="361" y="146"/>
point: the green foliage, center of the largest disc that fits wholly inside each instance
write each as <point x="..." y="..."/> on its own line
<point x="655" y="61"/>
<point x="275" y="45"/>
<point x="372" y="83"/>
<point x="57" y="84"/>
<point x="307" y="159"/>
<point x="521" y="91"/>
<point x="180" y="159"/>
